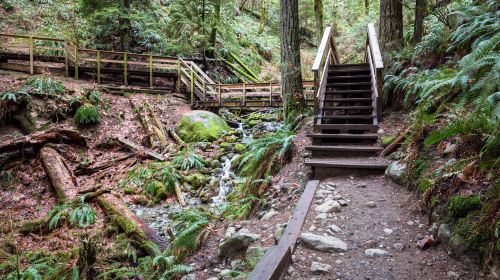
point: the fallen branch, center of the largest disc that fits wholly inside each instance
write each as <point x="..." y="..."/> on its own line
<point x="59" y="175"/>
<point x="157" y="126"/>
<point x="142" y="118"/>
<point x="140" y="149"/>
<point x="38" y="139"/>
<point x="136" y="229"/>
<point x="395" y="144"/>
<point x="101" y="166"/>
<point x="180" y="197"/>
<point x="176" y="137"/>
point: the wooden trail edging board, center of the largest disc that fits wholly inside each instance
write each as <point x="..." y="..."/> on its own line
<point x="275" y="261"/>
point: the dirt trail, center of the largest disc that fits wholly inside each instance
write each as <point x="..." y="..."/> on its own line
<point x="393" y="225"/>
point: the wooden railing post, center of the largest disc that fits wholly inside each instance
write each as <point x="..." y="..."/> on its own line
<point x="192" y="85"/>
<point x="315" y="92"/>
<point x="151" y="70"/>
<point x="66" y="58"/>
<point x="220" y="95"/>
<point x="125" y="61"/>
<point x="32" y="62"/>
<point x="76" y="62"/>
<point x="270" y="94"/>
<point x="98" y="67"/>
<point x="179" y="75"/>
<point x="244" y="93"/>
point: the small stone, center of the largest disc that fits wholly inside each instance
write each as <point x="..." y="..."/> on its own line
<point x="323" y="243"/>
<point x="444" y="233"/>
<point x="317" y="267"/>
<point x="312" y="228"/>
<point x="398" y="246"/>
<point x="229" y="232"/>
<point x="433" y="230"/>
<point x="321" y="216"/>
<point x="371" y="204"/>
<point x="370" y="243"/>
<point x="410" y="223"/>
<point x="426" y="242"/>
<point x="269" y="215"/>
<point x="388" y="231"/>
<point x="342" y="202"/>
<point x="334" y="228"/>
<point x="375" y="253"/>
<point x="452" y="275"/>
<point x="361" y="186"/>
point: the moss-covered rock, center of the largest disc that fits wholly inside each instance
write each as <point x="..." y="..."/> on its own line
<point x="196" y="180"/>
<point x="253" y="123"/>
<point x="239" y="148"/>
<point x="226" y="146"/>
<point x="197" y="126"/>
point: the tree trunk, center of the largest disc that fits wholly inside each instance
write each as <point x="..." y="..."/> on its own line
<point x="318" y="14"/>
<point x="418" y="28"/>
<point x="335" y="16"/>
<point x="213" y="33"/>
<point x="263" y="16"/>
<point x="125" y="25"/>
<point x="59" y="174"/>
<point x="38" y="139"/>
<point x="391" y="25"/>
<point x="367" y="7"/>
<point x="291" y="76"/>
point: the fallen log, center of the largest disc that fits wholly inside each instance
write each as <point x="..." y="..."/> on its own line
<point x="142" y="118"/>
<point x="180" y="198"/>
<point x="157" y="126"/>
<point x="140" y="149"/>
<point x="59" y="174"/>
<point x="136" y="229"/>
<point x="38" y="139"/>
<point x="101" y="166"/>
<point x="395" y="144"/>
<point x="176" y="137"/>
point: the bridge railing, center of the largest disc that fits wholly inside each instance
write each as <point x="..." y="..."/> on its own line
<point x="374" y="58"/>
<point x="326" y="56"/>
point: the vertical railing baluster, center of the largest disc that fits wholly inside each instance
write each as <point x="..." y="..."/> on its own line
<point x="125" y="61"/>
<point x="98" y="67"/>
<point x="151" y="70"/>
<point x="32" y="62"/>
<point x="66" y="58"/>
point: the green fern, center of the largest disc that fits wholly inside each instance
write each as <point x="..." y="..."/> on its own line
<point x="87" y="114"/>
<point x="187" y="159"/>
<point x="78" y="214"/>
<point x="44" y="86"/>
<point x="193" y="227"/>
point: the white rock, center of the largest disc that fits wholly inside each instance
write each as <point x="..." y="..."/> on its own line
<point x="334" y="228"/>
<point x="320" y="267"/>
<point x="398" y="246"/>
<point x="230" y="232"/>
<point x="388" y="231"/>
<point x="323" y="243"/>
<point x="371" y="204"/>
<point x="328" y="206"/>
<point x="269" y="215"/>
<point x="375" y="253"/>
<point x="321" y="216"/>
<point x="452" y="274"/>
<point x="342" y="202"/>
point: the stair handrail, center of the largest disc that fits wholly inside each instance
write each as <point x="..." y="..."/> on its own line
<point x="326" y="56"/>
<point x="373" y="57"/>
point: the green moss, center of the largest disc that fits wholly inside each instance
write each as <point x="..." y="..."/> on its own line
<point x="87" y="114"/>
<point x="459" y="206"/>
<point x="196" y="180"/>
<point x="387" y="139"/>
<point x="226" y="146"/>
<point x="239" y="148"/>
<point x="198" y="126"/>
<point x="424" y="184"/>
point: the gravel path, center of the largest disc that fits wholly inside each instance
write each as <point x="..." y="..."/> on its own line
<point x="379" y="215"/>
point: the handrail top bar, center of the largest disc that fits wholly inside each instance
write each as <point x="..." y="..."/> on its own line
<point x="28" y="36"/>
<point x="373" y="43"/>
<point x="321" y="49"/>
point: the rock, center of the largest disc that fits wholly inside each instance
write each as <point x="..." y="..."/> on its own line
<point x="278" y="233"/>
<point x="328" y="207"/>
<point x="444" y="233"/>
<point x="269" y="215"/>
<point x="425" y="242"/>
<point x="371" y="204"/>
<point x="388" y="231"/>
<point x="196" y="180"/>
<point x="190" y="276"/>
<point x="237" y="244"/>
<point x="452" y="275"/>
<point x="323" y="243"/>
<point x="457" y="243"/>
<point x="360" y="186"/>
<point x="321" y="216"/>
<point x="396" y="171"/>
<point x="342" y="202"/>
<point x="375" y="253"/>
<point x="334" y="228"/>
<point x="215" y="164"/>
<point x="370" y="243"/>
<point x="317" y="267"/>
<point x="199" y="126"/>
<point x="239" y="148"/>
<point x="398" y="246"/>
<point x="230" y="231"/>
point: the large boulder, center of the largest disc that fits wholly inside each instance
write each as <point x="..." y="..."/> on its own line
<point x="197" y="126"/>
<point x="396" y="171"/>
<point x="237" y="244"/>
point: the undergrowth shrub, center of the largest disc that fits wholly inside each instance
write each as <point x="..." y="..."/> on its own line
<point x="44" y="86"/>
<point x="459" y="206"/>
<point x="78" y="214"/>
<point x="187" y="159"/>
<point x="87" y="114"/>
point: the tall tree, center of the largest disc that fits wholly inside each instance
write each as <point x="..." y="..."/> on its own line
<point x="291" y="76"/>
<point x="367" y="7"/>
<point x="263" y="15"/>
<point x="418" y="27"/>
<point x="212" y="40"/>
<point x="318" y="14"/>
<point x="391" y="24"/>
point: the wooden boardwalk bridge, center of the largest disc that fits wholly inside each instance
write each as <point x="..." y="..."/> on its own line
<point x="33" y="54"/>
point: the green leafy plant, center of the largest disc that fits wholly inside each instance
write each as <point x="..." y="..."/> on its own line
<point x="44" y="86"/>
<point x="193" y="227"/>
<point x="78" y="214"/>
<point x="187" y="159"/>
<point x="94" y="96"/>
<point x="87" y="114"/>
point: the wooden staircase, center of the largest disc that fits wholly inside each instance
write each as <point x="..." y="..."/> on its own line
<point x="347" y="112"/>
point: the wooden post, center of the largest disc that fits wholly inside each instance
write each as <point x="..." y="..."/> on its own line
<point x="151" y="70"/>
<point x="205" y="89"/>
<point x="125" y="78"/>
<point x="98" y="67"/>
<point x="220" y="95"/>
<point x="66" y="58"/>
<point x="192" y="85"/>
<point x="244" y="93"/>
<point x="179" y="75"/>
<point x="270" y="94"/>
<point x="76" y="62"/>
<point x="315" y="92"/>
<point x="32" y="63"/>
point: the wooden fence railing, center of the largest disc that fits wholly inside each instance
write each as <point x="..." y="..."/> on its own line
<point x="374" y="58"/>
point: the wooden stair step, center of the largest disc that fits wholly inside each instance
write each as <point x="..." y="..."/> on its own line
<point x="345" y="148"/>
<point x="338" y="77"/>
<point x="358" y="163"/>
<point x="346" y="108"/>
<point x="365" y="136"/>
<point x="346" y="117"/>
<point x="348" y="91"/>
<point x="370" y="127"/>
<point x="348" y="84"/>
<point x="348" y="70"/>
<point x="347" y="99"/>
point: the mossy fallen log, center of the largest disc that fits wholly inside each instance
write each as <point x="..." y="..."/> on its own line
<point x="101" y="166"/>
<point x="241" y="72"/>
<point x="59" y="174"/>
<point x="136" y="229"/>
<point x="242" y="64"/>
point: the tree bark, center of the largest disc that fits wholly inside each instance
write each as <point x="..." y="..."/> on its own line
<point x="418" y="27"/>
<point x="125" y="25"/>
<point x="213" y="33"/>
<point x="367" y="7"/>
<point x="291" y="76"/>
<point x="391" y="25"/>
<point x="136" y="229"/>
<point x="318" y="14"/>
<point x="38" y="139"/>
<point x="59" y="174"/>
<point x="263" y="16"/>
